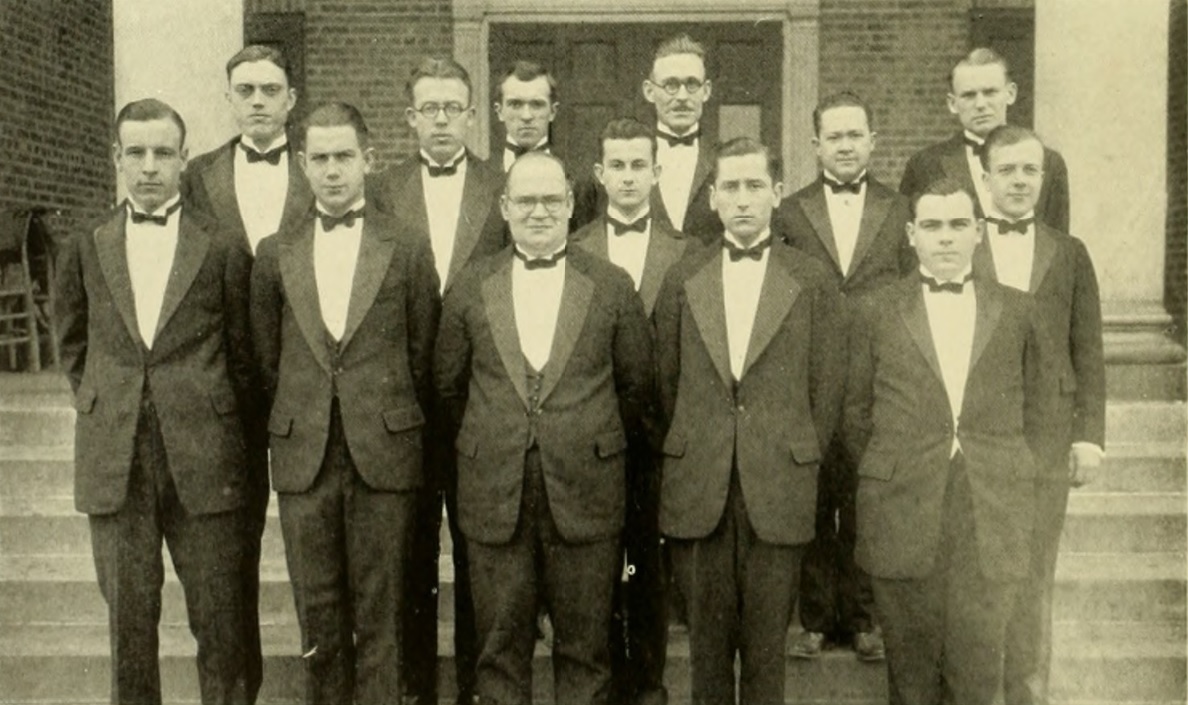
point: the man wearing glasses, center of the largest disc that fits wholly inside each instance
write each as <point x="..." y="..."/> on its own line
<point x="544" y="358"/>
<point x="678" y="89"/>
<point x="445" y="194"/>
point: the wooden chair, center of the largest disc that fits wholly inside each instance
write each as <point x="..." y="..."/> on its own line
<point x="27" y="296"/>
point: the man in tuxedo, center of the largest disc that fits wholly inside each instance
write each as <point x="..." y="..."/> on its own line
<point x="981" y="91"/>
<point x="854" y="225"/>
<point x="153" y="326"/>
<point x="250" y="186"/>
<point x="445" y="194"/>
<point x="344" y="313"/>
<point x="677" y="88"/>
<point x="1055" y="268"/>
<point x="944" y="401"/>
<point x="749" y="355"/>
<point x="544" y="355"/>
<point x="628" y="236"/>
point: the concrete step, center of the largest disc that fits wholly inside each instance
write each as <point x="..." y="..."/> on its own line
<point x="1147" y="421"/>
<point x="1146" y="382"/>
<point x="1114" y="522"/>
<point x="1117" y="662"/>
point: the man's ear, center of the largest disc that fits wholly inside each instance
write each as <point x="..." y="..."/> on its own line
<point x="598" y="173"/>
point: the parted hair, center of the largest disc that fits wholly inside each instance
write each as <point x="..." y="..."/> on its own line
<point x="260" y="52"/>
<point x="944" y="186"/>
<point x="527" y="71"/>
<point x="625" y="129"/>
<point x="844" y="99"/>
<point x="1005" y="136"/>
<point x="680" y="44"/>
<point x="336" y="115"/>
<point x="981" y="56"/>
<point x="438" y="67"/>
<point x="147" y="109"/>
<point x="741" y="147"/>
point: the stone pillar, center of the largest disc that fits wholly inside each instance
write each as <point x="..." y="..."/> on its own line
<point x="175" y="52"/>
<point x="1101" y="100"/>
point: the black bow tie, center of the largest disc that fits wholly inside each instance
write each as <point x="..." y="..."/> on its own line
<point x="161" y="219"/>
<point x="446" y="170"/>
<point x="272" y="156"/>
<point x="531" y="263"/>
<point x="951" y="287"/>
<point x="754" y="252"/>
<point x="1006" y="226"/>
<point x="674" y="140"/>
<point x="977" y="147"/>
<point x="520" y="151"/>
<point x="854" y="186"/>
<point x="639" y="225"/>
<point x="330" y="222"/>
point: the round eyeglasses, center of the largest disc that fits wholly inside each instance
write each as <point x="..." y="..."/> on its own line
<point x="451" y="110"/>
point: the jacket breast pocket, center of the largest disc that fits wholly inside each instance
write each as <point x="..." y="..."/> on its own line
<point x="877" y="466"/>
<point x="84" y="401"/>
<point x="806" y="452"/>
<point x="610" y="443"/>
<point x="224" y="402"/>
<point x="466" y="445"/>
<point x="280" y="425"/>
<point x="404" y="418"/>
<point x="674" y="445"/>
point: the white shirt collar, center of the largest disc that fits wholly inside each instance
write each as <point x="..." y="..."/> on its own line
<point x="356" y="206"/>
<point x="734" y="241"/>
<point x="661" y="127"/>
<point x="160" y="209"/>
<point x="458" y="157"/>
<point x="960" y="277"/>
<point x="280" y="140"/>
<point x="617" y="214"/>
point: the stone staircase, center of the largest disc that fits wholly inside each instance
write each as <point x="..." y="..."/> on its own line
<point x="1120" y="603"/>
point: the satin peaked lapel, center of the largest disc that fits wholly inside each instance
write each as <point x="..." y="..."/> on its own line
<point x="301" y="288"/>
<point x="192" y="246"/>
<point x="111" y="247"/>
<point x="701" y="171"/>
<point x="571" y="318"/>
<point x="989" y="311"/>
<point x="779" y="292"/>
<point x="817" y="213"/>
<point x="375" y="257"/>
<point x="595" y="241"/>
<point x="219" y="181"/>
<point x="412" y="197"/>
<point x="501" y="317"/>
<point x="915" y="316"/>
<point x="1045" y="251"/>
<point x="704" y="293"/>
<point x="956" y="166"/>
<point x="874" y="212"/>
<point x="475" y="207"/>
<point x="983" y="261"/>
<point x="663" y="251"/>
<point x="298" y="198"/>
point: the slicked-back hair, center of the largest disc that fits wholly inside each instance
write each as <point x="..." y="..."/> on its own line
<point x="527" y="71"/>
<point x="944" y="186"/>
<point x="680" y="44"/>
<point x="1005" y="136"/>
<point x="336" y="115"/>
<point x="741" y="147"/>
<point x="625" y="129"/>
<point x="260" y="52"/>
<point x="981" y="56"/>
<point x="844" y="99"/>
<point x="148" y="109"/>
<point x="442" y="67"/>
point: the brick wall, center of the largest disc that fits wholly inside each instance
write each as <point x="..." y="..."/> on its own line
<point x="361" y="52"/>
<point x="56" y="115"/>
<point x="896" y="54"/>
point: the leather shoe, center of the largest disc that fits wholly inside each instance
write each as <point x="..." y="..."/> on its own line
<point x="808" y="645"/>
<point x="869" y="646"/>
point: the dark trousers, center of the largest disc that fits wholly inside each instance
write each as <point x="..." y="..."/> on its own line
<point x="346" y="546"/>
<point x="255" y="515"/>
<point x="835" y="594"/>
<point x="944" y="633"/>
<point x="205" y="549"/>
<point x="639" y="633"/>
<point x="574" y="581"/>
<point x="421" y="600"/>
<point x="739" y="591"/>
<point x="1029" y="630"/>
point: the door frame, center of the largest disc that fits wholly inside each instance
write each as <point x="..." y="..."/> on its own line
<point x="799" y="72"/>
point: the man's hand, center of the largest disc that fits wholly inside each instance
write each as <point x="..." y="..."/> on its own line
<point x="1084" y="459"/>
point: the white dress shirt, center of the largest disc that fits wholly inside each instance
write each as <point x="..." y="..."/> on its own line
<point x="150" y="250"/>
<point x="951" y="320"/>
<point x="1013" y="253"/>
<point x="510" y="157"/>
<point x="676" y="175"/>
<point x="443" y="205"/>
<point x="976" y="171"/>
<point x="845" y="217"/>
<point x="742" y="282"/>
<point x="336" y="254"/>
<point x="629" y="250"/>
<point x="260" y="191"/>
<point x="536" y="299"/>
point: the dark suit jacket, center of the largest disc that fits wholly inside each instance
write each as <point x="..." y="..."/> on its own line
<point x="380" y="370"/>
<point x="208" y="184"/>
<point x="782" y="414"/>
<point x="595" y="388"/>
<point x="665" y="248"/>
<point x="948" y="159"/>
<point x="882" y="253"/>
<point x="898" y="422"/>
<point x="701" y="221"/>
<point x="477" y="234"/>
<point x="1066" y="297"/>
<point x="198" y="370"/>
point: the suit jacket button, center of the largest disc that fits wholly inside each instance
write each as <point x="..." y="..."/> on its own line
<point x="227" y="491"/>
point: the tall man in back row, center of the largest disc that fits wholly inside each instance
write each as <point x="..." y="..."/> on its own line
<point x="981" y="92"/>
